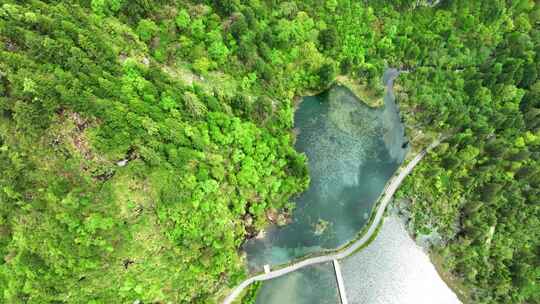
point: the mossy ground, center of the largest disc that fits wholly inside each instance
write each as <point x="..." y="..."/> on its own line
<point x="369" y="95"/>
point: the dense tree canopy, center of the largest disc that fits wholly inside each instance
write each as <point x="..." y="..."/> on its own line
<point x="142" y="141"/>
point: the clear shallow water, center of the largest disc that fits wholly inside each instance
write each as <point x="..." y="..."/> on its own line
<point x="393" y="270"/>
<point x="312" y="285"/>
<point x="352" y="151"/>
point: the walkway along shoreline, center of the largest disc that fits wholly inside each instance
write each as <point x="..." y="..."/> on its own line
<point x="348" y="248"/>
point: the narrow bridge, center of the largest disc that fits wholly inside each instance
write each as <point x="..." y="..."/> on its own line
<point x="340" y="284"/>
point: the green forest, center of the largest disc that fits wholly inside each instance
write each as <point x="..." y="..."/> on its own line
<point x="143" y="141"/>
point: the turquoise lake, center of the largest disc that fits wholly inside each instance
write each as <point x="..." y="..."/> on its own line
<point x="352" y="151"/>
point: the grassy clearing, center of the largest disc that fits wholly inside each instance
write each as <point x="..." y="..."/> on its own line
<point x="368" y="95"/>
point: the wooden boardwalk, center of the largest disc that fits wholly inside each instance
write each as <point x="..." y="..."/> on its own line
<point x="340" y="283"/>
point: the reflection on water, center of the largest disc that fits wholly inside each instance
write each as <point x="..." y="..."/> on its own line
<point x="311" y="285"/>
<point x="394" y="270"/>
<point x="352" y="151"/>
